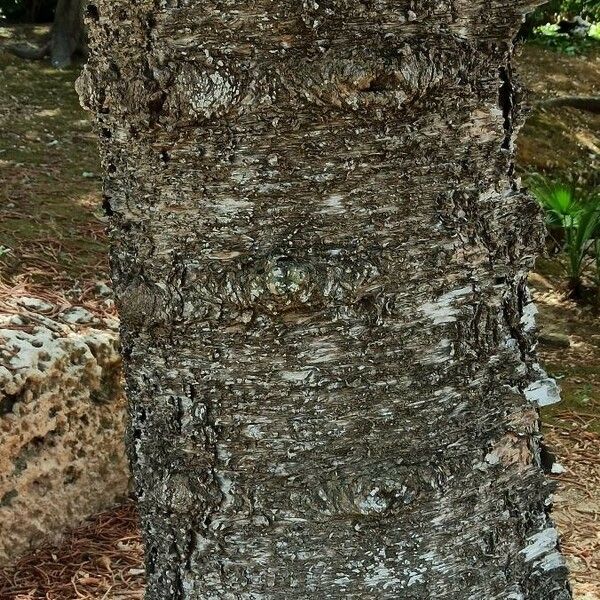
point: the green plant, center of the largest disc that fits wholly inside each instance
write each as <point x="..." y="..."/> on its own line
<point x="548" y="30"/>
<point x="575" y="215"/>
<point x="589" y="9"/>
<point x="542" y="26"/>
<point x="597" y="251"/>
<point x="548" y="35"/>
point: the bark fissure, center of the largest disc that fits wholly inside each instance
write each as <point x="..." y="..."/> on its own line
<point x="507" y="105"/>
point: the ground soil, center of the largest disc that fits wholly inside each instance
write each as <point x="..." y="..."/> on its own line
<point x="52" y="231"/>
<point x="52" y="243"/>
<point x="565" y="143"/>
<point x="558" y="140"/>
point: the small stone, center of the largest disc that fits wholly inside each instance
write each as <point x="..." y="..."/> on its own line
<point x="112" y="324"/>
<point x="34" y="304"/>
<point x="103" y="290"/>
<point x="77" y="315"/>
<point x="557" y="469"/>
<point x="555" y="340"/>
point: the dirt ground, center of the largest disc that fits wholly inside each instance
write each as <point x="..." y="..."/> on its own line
<point x="564" y="142"/>
<point x="557" y="139"/>
<point x="52" y="238"/>
<point x="49" y="165"/>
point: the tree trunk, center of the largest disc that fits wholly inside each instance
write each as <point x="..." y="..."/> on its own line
<point x="67" y="38"/>
<point x="320" y="252"/>
<point x="68" y="32"/>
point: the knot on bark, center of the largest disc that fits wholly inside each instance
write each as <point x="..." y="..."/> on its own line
<point x="85" y="88"/>
<point x="287" y="278"/>
<point x="359" y="81"/>
<point x="143" y="305"/>
<point x="198" y="93"/>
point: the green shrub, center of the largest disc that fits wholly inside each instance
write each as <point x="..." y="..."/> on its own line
<point x="538" y="25"/>
<point x="573" y="219"/>
<point x="589" y="9"/>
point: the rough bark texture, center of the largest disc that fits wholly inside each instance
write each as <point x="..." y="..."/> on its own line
<point x="62" y="456"/>
<point x="320" y="252"/>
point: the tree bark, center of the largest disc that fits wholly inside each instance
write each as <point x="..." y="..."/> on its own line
<point x="320" y="251"/>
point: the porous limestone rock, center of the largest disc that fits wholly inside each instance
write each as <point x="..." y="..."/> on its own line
<point x="62" y="419"/>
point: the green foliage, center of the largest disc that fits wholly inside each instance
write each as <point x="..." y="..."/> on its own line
<point x="573" y="219"/>
<point x="589" y="9"/>
<point x="548" y="30"/>
<point x="549" y="36"/>
<point x="558" y="199"/>
<point x="542" y="28"/>
<point x="597" y="263"/>
<point x="552" y="30"/>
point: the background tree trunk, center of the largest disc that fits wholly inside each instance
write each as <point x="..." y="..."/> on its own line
<point x="68" y="32"/>
<point x="320" y="252"/>
<point x="67" y="37"/>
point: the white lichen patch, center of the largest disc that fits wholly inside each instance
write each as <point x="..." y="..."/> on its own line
<point x="254" y="431"/>
<point x="540" y="544"/>
<point x="226" y="486"/>
<point x="373" y="503"/>
<point x="232" y="206"/>
<point x="554" y="560"/>
<point x="207" y="93"/>
<point x="528" y="317"/>
<point x="333" y="204"/>
<point x="443" y="309"/>
<point x="381" y="577"/>
<point x="321" y="351"/>
<point x="440" y="353"/>
<point x="542" y="392"/>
